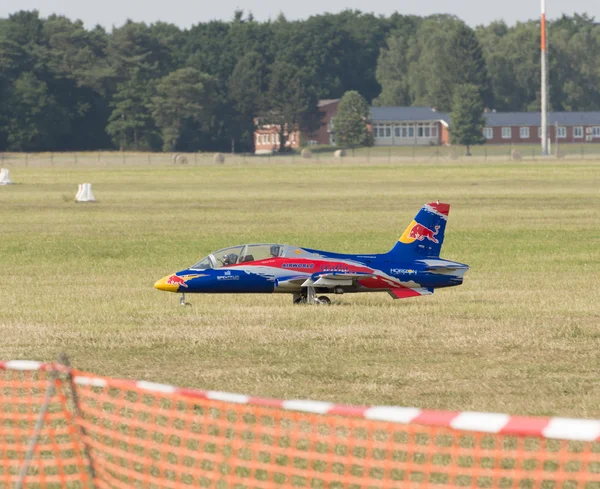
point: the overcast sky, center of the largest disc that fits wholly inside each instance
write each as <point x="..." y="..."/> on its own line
<point x="185" y="13"/>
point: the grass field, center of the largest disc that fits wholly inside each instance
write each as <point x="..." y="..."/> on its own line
<point x="521" y="335"/>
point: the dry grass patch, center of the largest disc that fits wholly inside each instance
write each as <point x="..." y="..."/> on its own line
<point x="522" y="334"/>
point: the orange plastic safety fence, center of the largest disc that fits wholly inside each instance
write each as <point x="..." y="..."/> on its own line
<point x="123" y="434"/>
<point x="56" y="458"/>
<point x="156" y="439"/>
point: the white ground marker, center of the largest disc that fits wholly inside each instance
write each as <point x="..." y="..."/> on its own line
<point x="4" y="177"/>
<point x="84" y="194"/>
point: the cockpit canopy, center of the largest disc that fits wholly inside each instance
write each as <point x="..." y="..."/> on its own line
<point x="240" y="254"/>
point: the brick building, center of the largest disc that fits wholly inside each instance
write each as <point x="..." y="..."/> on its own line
<point x="416" y="126"/>
<point x="525" y="127"/>
<point x="267" y="138"/>
<point x="424" y="126"/>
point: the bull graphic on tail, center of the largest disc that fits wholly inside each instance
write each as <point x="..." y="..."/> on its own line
<point x="420" y="232"/>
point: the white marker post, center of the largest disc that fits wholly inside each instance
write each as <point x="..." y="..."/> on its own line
<point x="4" y="177"/>
<point x="84" y="194"/>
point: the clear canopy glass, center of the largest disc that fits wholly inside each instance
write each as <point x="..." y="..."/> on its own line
<point x="239" y="254"/>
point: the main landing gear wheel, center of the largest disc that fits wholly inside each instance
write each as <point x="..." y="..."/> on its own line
<point x="182" y="300"/>
<point x="310" y="298"/>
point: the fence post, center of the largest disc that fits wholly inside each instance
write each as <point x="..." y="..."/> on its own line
<point x="64" y="360"/>
<point x="38" y="428"/>
<point x="26" y="159"/>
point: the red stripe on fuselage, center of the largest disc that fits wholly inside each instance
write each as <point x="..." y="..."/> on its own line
<point x="306" y="265"/>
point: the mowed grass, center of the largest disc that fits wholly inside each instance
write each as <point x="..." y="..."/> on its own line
<point x="521" y="335"/>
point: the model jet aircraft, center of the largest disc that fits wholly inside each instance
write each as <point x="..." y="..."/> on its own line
<point x="412" y="268"/>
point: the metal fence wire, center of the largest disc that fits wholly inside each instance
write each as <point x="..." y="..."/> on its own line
<point x="378" y="154"/>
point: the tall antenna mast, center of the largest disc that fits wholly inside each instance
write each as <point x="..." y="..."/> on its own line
<point x="544" y="93"/>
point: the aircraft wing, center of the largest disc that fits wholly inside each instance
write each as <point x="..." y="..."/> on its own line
<point x="333" y="279"/>
<point x="324" y="279"/>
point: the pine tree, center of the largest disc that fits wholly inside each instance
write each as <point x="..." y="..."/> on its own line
<point x="468" y="64"/>
<point x="130" y="125"/>
<point x="291" y="102"/>
<point x="467" y="117"/>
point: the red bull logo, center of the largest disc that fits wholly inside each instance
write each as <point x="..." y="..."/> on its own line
<point x="420" y="232"/>
<point x="416" y="231"/>
<point x="175" y="280"/>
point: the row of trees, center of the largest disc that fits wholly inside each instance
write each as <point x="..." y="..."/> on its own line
<point x="63" y="87"/>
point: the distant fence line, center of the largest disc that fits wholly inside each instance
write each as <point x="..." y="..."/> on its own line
<point x="374" y="155"/>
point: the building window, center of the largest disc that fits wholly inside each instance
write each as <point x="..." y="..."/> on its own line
<point x="506" y="132"/>
<point x="406" y="131"/>
<point x="539" y="133"/>
<point x="397" y="131"/>
<point x="434" y="131"/>
<point x="379" y="131"/>
<point x="524" y="132"/>
<point x="258" y="139"/>
<point x="578" y="132"/>
<point x="562" y="132"/>
<point x="488" y="132"/>
<point x="277" y="139"/>
<point x="596" y="132"/>
<point x="264" y="139"/>
<point x="382" y="131"/>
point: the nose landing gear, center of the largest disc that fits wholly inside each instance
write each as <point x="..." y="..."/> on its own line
<point x="182" y="300"/>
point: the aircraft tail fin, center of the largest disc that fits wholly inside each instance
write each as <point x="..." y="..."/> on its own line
<point x="425" y="234"/>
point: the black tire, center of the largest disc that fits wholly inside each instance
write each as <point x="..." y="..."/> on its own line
<point x="324" y="300"/>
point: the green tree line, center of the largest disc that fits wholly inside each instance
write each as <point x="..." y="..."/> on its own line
<point x="159" y="87"/>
